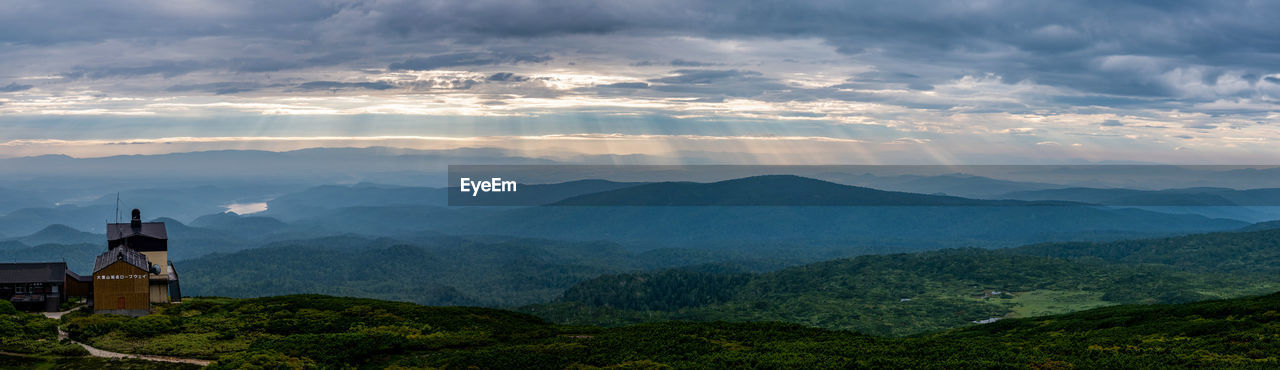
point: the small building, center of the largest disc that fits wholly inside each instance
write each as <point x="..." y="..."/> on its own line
<point x="152" y="240"/>
<point x="122" y="282"/>
<point x="79" y="286"/>
<point x="39" y="286"/>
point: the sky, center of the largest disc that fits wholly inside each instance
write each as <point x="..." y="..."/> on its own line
<point x="799" y="81"/>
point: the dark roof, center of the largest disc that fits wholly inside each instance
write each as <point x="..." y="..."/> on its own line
<point x="74" y="276"/>
<point x="125" y="254"/>
<point x="150" y="229"/>
<point x="33" y="272"/>
<point x="173" y="272"/>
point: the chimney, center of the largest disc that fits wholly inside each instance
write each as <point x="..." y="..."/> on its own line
<point x="136" y="222"/>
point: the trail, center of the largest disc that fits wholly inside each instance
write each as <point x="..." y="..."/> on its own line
<point x="96" y="352"/>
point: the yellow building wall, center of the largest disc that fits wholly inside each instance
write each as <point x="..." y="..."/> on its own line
<point x="120" y="286"/>
<point x="159" y="258"/>
<point x="159" y="291"/>
<point x="159" y="288"/>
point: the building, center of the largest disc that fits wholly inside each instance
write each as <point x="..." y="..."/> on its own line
<point x="122" y="282"/>
<point x="126" y="279"/>
<point x="79" y="286"/>
<point x="40" y="286"/>
<point x="152" y="240"/>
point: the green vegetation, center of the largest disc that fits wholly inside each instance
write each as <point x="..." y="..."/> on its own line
<point x="1255" y="253"/>
<point x="26" y="333"/>
<point x="498" y="272"/>
<point x="897" y="294"/>
<point x="320" y="331"/>
<point x="1053" y="302"/>
<point x="323" y="328"/>
<point x="14" y="361"/>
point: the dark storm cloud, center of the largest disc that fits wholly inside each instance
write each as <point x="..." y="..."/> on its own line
<point x="465" y="60"/>
<point x="15" y="87"/>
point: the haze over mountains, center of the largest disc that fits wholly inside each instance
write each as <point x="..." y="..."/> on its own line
<point x="823" y="249"/>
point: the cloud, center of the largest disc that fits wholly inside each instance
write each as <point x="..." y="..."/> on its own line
<point x="165" y="68"/>
<point x="465" y="60"/>
<point x="704" y="76"/>
<point x="1055" y="68"/>
<point x="506" y="77"/>
<point x="627" y="85"/>
<point x="14" y="87"/>
<point x="174" y="68"/>
<point x="690" y="63"/>
<point x="218" y="88"/>
<point x="333" y="85"/>
<point x="443" y="83"/>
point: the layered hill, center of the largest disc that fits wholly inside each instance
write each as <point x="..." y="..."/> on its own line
<point x="791" y="208"/>
<point x="437" y="270"/>
<point x="771" y="190"/>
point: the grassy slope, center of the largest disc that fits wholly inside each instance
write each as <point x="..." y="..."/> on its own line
<point x="320" y="330"/>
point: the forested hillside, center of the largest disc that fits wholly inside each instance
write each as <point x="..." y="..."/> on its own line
<point x="319" y="331"/>
<point x="896" y="294"/>
<point x="1238" y="253"/>
<point x="498" y="272"/>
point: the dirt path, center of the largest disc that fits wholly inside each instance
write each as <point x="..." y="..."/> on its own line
<point x="95" y="352"/>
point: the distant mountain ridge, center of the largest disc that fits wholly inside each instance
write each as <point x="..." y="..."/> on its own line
<point x="60" y="234"/>
<point x="1203" y="196"/>
<point x="770" y="190"/>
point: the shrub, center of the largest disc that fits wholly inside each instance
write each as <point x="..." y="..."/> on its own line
<point x="149" y="326"/>
<point x="10" y="328"/>
<point x="95" y="325"/>
<point x="66" y="348"/>
<point x="262" y="360"/>
<point x="6" y="308"/>
<point x="41" y="327"/>
<point x="336" y="348"/>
